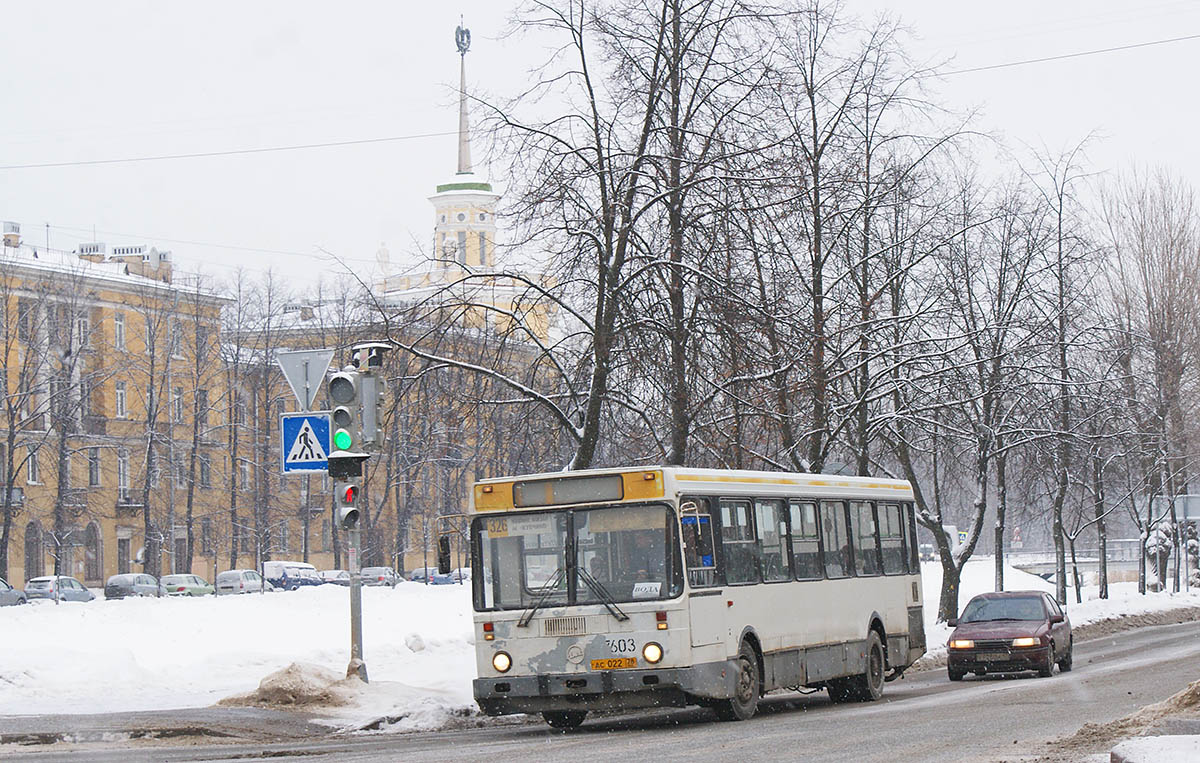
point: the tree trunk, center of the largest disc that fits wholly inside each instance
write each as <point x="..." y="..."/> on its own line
<point x="1101" y="527"/>
<point x="1001" y="511"/>
<point x="1075" y="572"/>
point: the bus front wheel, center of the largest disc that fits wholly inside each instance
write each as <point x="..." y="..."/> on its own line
<point x="744" y="702"/>
<point x="564" y="719"/>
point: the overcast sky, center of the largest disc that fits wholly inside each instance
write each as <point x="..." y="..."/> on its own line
<point x="84" y="81"/>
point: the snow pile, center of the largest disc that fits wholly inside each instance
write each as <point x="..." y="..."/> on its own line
<point x="142" y="654"/>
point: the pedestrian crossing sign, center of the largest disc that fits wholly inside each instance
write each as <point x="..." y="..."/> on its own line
<point x="305" y="442"/>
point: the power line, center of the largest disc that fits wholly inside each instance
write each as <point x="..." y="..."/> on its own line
<point x="234" y="152"/>
<point x="1065" y="56"/>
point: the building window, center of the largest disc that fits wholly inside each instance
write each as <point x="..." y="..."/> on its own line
<point x="94" y="562"/>
<point x="205" y="471"/>
<point x="122" y="411"/>
<point x="83" y="331"/>
<point x="93" y="467"/>
<point x="175" y="338"/>
<point x="85" y="397"/>
<point x="206" y="535"/>
<point x="25" y="320"/>
<point x="123" y="475"/>
<point x="483" y="249"/>
<point x="482" y="217"/>
<point x="201" y="344"/>
<point x="180" y="474"/>
<point x="461" y="217"/>
<point x="462" y="247"/>
<point x="123" y="547"/>
<point x="33" y="473"/>
<point x="119" y="331"/>
<point x="202" y="407"/>
<point x="243" y="474"/>
<point x="34" y="556"/>
<point x="283" y="538"/>
<point x="326" y="536"/>
<point x="177" y="405"/>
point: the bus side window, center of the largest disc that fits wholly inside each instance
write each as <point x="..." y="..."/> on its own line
<point x="698" y="548"/>
<point x="737" y="543"/>
<point x="836" y="541"/>
<point x="866" y="545"/>
<point x="893" y="540"/>
<point x="806" y="548"/>
<point x="772" y="538"/>
<point x="910" y="524"/>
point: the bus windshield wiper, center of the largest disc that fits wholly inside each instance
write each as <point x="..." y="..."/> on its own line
<point x="602" y="593"/>
<point x="545" y="592"/>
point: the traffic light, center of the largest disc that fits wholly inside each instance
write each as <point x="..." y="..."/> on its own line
<point x="347" y="503"/>
<point x="346" y="392"/>
<point x="372" y="388"/>
<point x="443" y="554"/>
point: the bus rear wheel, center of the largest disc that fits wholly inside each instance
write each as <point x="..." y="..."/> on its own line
<point x="744" y="703"/>
<point x="564" y="719"/>
<point x="867" y="687"/>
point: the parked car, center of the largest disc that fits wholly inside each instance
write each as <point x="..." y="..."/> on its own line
<point x="10" y="596"/>
<point x="185" y="585"/>
<point x="241" y="581"/>
<point x="61" y="588"/>
<point x="379" y="576"/>
<point x="336" y="577"/>
<point x="289" y="576"/>
<point x="431" y="576"/>
<point x="1009" y="632"/>
<point x="130" y="584"/>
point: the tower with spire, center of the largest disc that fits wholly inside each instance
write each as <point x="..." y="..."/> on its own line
<point x="465" y="206"/>
<point x="464" y="237"/>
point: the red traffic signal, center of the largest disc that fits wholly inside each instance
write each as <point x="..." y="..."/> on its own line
<point x="350" y="494"/>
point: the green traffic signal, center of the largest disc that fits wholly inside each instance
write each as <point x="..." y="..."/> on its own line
<point x="342" y="440"/>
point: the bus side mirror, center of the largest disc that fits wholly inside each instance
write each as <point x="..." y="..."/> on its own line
<point x="952" y="622"/>
<point x="443" y="542"/>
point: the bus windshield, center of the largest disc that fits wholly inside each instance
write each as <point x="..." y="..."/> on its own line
<point x="582" y="556"/>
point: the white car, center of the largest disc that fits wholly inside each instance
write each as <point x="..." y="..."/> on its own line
<point x="241" y="581"/>
<point x="337" y="577"/>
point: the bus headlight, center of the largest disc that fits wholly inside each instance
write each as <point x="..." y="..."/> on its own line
<point x="501" y="662"/>
<point x="652" y="652"/>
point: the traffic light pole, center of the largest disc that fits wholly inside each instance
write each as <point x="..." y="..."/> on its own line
<point x="357" y="393"/>
<point x="357" y="666"/>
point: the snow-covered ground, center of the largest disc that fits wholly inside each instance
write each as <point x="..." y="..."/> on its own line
<point x="137" y="654"/>
<point x="140" y="654"/>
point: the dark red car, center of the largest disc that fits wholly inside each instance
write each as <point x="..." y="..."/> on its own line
<point x="1009" y="632"/>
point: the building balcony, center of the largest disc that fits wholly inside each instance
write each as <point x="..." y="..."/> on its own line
<point x="75" y="500"/>
<point x="18" y="498"/>
<point x="128" y="505"/>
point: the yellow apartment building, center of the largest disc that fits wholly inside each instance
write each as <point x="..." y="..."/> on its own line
<point x="108" y="363"/>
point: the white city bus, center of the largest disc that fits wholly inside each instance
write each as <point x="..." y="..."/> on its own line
<point x="666" y="586"/>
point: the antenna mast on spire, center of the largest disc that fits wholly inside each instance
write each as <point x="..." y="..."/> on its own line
<point x="462" y="38"/>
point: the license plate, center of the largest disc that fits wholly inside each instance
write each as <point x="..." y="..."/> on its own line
<point x="992" y="657"/>
<point x="614" y="663"/>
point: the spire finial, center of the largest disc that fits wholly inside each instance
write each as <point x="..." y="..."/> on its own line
<point x="462" y="38"/>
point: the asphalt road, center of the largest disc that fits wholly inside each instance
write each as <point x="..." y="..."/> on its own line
<point x="922" y="717"/>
